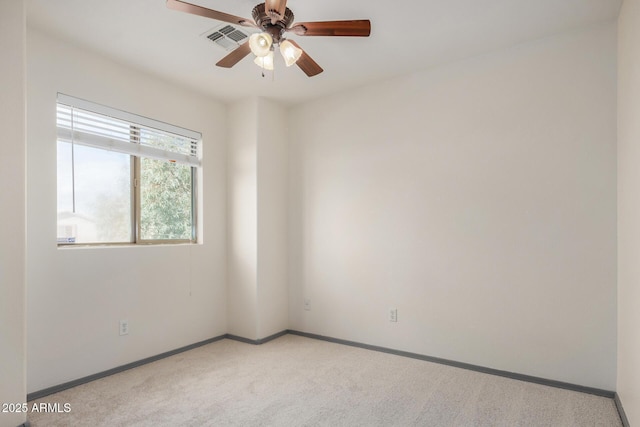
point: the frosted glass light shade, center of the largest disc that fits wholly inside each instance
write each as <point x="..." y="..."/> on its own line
<point x="290" y="52"/>
<point x="260" y="44"/>
<point x="265" y="62"/>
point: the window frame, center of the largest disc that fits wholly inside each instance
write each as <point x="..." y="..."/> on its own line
<point x="136" y="153"/>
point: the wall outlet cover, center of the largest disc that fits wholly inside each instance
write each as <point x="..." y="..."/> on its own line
<point x="124" y="327"/>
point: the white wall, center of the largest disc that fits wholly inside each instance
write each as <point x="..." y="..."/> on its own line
<point x="273" y="307"/>
<point x="479" y="199"/>
<point x="12" y="206"/>
<point x="257" y="219"/>
<point x="629" y="209"/>
<point x="172" y="295"/>
<point x="242" y="218"/>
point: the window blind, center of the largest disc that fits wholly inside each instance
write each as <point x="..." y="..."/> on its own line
<point x="94" y="125"/>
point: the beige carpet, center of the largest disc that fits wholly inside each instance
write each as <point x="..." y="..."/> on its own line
<point x="296" y="381"/>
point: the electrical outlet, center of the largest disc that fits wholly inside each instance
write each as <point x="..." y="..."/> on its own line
<point x="307" y="304"/>
<point x="393" y="315"/>
<point x="124" y="327"/>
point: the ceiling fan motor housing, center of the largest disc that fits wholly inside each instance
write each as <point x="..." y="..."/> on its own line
<point x="264" y="21"/>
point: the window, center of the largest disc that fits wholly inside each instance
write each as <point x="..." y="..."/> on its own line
<point x="123" y="178"/>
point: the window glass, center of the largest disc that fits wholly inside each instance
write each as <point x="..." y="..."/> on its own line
<point x="166" y="203"/>
<point x="99" y="210"/>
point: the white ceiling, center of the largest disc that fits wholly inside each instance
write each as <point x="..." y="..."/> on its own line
<point x="406" y="35"/>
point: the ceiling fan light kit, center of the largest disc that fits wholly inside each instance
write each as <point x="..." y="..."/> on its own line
<point x="265" y="62"/>
<point x="260" y="44"/>
<point x="290" y="53"/>
<point x="274" y="18"/>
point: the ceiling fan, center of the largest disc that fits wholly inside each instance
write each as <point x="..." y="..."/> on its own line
<point x="275" y="19"/>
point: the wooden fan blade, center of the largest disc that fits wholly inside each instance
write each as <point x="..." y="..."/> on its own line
<point x="236" y="56"/>
<point x="306" y="63"/>
<point x="208" y="13"/>
<point x="359" y="28"/>
<point x="275" y="9"/>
